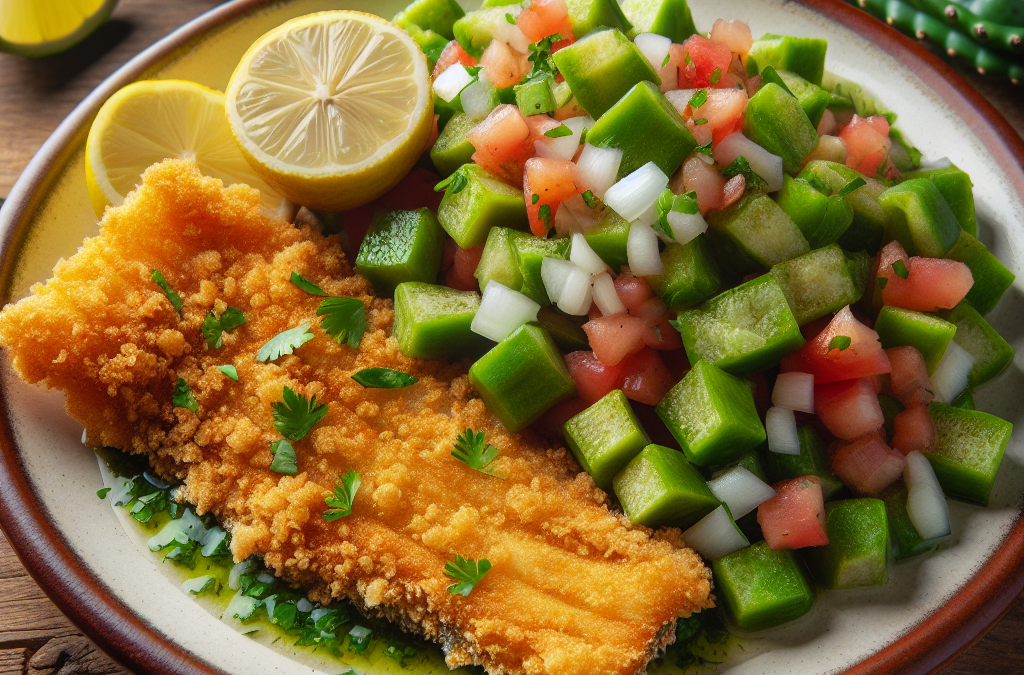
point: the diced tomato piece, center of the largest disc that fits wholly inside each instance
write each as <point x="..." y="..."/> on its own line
<point x="593" y="379"/>
<point x="543" y="18"/>
<point x="812" y="329"/>
<point x="849" y="409"/>
<point x="867" y="465"/>
<point x="733" y="34"/>
<point x="677" y="362"/>
<point x="909" y="379"/>
<point x="723" y="111"/>
<point x="413" y="192"/>
<point x="646" y="377"/>
<point x="663" y="336"/>
<point x="632" y="291"/>
<point x="460" y="275"/>
<point x="795" y="516"/>
<point x="357" y="222"/>
<point x="932" y="284"/>
<point x="913" y="429"/>
<point x="550" y="181"/>
<point x="452" y="53"/>
<point x="500" y="143"/>
<point x="868" y="146"/>
<point x="615" y="337"/>
<point x="551" y="422"/>
<point x="706" y="57"/>
<point x="652" y="310"/>
<point x="503" y="65"/>
<point x="862" y="358"/>
<point x="707" y="181"/>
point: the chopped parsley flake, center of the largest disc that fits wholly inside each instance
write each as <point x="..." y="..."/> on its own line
<point x="664" y="62"/>
<point x="900" y="268"/>
<point x="534" y="198"/>
<point x="103" y="492"/>
<point x="702" y="120"/>
<point x="699" y="98"/>
<point x="882" y="281"/>
<point x="840" y="342"/>
<point x="344" y="497"/>
<point x="472" y="450"/>
<point x="857" y="182"/>
<point x="229" y="371"/>
<point x="182" y="397"/>
<point x="213" y="328"/>
<point x="285" y="342"/>
<point x="453" y="184"/>
<point x="307" y="285"/>
<point x="511" y="19"/>
<point x="558" y="132"/>
<point x="173" y="297"/>
<point x="545" y="215"/>
<point x="467" y="572"/>
<point x="716" y="76"/>
<point x="383" y="378"/>
<point x="285" y="460"/>
<point x="344" y="319"/>
<point x="296" y="415"/>
<point x="588" y="197"/>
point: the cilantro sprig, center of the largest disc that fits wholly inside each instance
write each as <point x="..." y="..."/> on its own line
<point x="285" y="461"/>
<point x="214" y="326"/>
<point x="295" y="415"/>
<point x="182" y="396"/>
<point x="540" y="57"/>
<point x="467" y="572"/>
<point x="284" y="343"/>
<point x="471" y="449"/>
<point x="344" y="319"/>
<point x="344" y="497"/>
<point x="172" y="297"/>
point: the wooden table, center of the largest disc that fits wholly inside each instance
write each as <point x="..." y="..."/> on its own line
<point x="35" y="96"/>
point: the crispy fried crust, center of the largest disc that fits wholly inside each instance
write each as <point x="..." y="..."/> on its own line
<point x="574" y="589"/>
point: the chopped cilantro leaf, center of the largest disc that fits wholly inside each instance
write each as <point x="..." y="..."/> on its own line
<point x="344" y="497"/>
<point x="359" y="639"/>
<point x="285" y="460"/>
<point x="467" y="572"/>
<point x="540" y="57"/>
<point x="716" y="76"/>
<point x="840" y="342"/>
<point x="558" y="132"/>
<point x="344" y="319"/>
<point x="103" y="492"/>
<point x="882" y="281"/>
<point x="705" y="149"/>
<point x="285" y="342"/>
<point x="545" y="215"/>
<point x="702" y="120"/>
<point x="588" y="197"/>
<point x="383" y="378"/>
<point x="857" y="182"/>
<point x="182" y="397"/>
<point x="699" y="98"/>
<point x="664" y="62"/>
<point x="307" y="285"/>
<point x="173" y="297"/>
<point x="453" y="184"/>
<point x="213" y="328"/>
<point x="534" y="199"/>
<point x="741" y="166"/>
<point x="296" y="415"/>
<point x="900" y="268"/>
<point x="229" y="371"/>
<point x="472" y="450"/>
<point x="511" y="19"/>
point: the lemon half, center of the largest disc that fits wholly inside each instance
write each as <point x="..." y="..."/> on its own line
<point x="152" y="120"/>
<point x="42" y="27"/>
<point x="333" y="108"/>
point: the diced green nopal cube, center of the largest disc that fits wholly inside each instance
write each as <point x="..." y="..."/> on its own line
<point x="530" y="253"/>
<point x="601" y="67"/>
<point x="930" y="335"/>
<point x="521" y="377"/>
<point x="433" y="321"/>
<point x="905" y="539"/>
<point x="604" y="437"/>
<point x="919" y="218"/>
<point x="647" y="128"/>
<point x="756" y="230"/>
<point x="817" y="283"/>
<point x="475" y="30"/>
<point x="991" y="278"/>
<point x="689" y="274"/>
<point x="860" y="265"/>
<point x="671" y="18"/>
<point x="608" y="238"/>
<point x="452" y="148"/>
<point x="813" y="98"/>
<point x="858" y="549"/>
<point x="588" y="15"/>
<point x="659" y="487"/>
<point x="401" y="246"/>
<point x="535" y="96"/>
<point x="869" y="219"/>
<point x="436" y="15"/>
<point x="484" y="202"/>
<point x="803" y="56"/>
<point x="992" y="354"/>
<point x="775" y="120"/>
<point x="956" y="188"/>
<point x="813" y="460"/>
<point x="712" y="415"/>
<point x="760" y="588"/>
<point x="822" y="219"/>
<point x="498" y="261"/>
<point x="565" y="330"/>
<point x="430" y="42"/>
<point x="743" y="330"/>
<point x="968" y="450"/>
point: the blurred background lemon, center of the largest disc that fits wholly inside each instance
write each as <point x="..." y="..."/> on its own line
<point x="43" y="27"/>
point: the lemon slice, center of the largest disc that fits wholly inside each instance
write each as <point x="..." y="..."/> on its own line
<point x="41" y="27"/>
<point x="152" y="120"/>
<point x="332" y="108"/>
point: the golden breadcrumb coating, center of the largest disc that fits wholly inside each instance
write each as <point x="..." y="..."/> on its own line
<point x="574" y="589"/>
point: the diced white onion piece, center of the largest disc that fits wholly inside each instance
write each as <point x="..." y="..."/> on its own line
<point x="578" y="293"/>
<point x="581" y="254"/>
<point x="451" y="81"/>
<point x="553" y="273"/>
<point x="654" y="47"/>
<point x="235" y="575"/>
<point x="926" y="504"/>
<point x="680" y="98"/>
<point x="686" y="226"/>
<point x="563" y="147"/>
<point x="650" y="216"/>
<point x="741" y="490"/>
<point x="636" y="192"/>
<point x="586" y="217"/>
<point x="763" y="163"/>
<point x="715" y="535"/>
<point x="642" y="250"/>
<point x="605" y="297"/>
<point x="780" y="423"/>
<point x="304" y="605"/>
<point x="794" y="391"/>
<point x="950" y="376"/>
<point x="597" y="168"/>
<point x="478" y="98"/>
<point x="501" y="311"/>
<point x="241" y="607"/>
<point x="565" y="221"/>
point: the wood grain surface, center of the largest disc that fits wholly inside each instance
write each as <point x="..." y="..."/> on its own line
<point x="35" y="95"/>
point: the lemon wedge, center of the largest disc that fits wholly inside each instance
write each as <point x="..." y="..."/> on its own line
<point x="333" y="108"/>
<point x="42" y="27"/>
<point x="152" y="120"/>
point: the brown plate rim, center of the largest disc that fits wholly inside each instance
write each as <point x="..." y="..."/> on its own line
<point x="111" y="625"/>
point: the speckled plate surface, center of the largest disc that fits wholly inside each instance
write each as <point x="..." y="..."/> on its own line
<point x="75" y="547"/>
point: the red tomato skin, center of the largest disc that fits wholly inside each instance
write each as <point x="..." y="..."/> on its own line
<point x="504" y="66"/>
<point x="932" y="284"/>
<point x="795" y="516"/>
<point x="551" y="181"/>
<point x="615" y="337"/>
<point x="593" y="379"/>
<point x="867" y="465"/>
<point x="452" y="53"/>
<point x="705" y="57"/>
<point x="909" y="379"/>
<point x="551" y="422"/>
<point x="543" y="18"/>
<point x="500" y="142"/>
<point x="868" y="146"/>
<point x="762" y="393"/>
<point x="849" y="409"/>
<point x="632" y="291"/>
<point x="864" y="356"/>
<point x="704" y="179"/>
<point x="460" y="275"/>
<point x="646" y="377"/>
<point x="913" y="429"/>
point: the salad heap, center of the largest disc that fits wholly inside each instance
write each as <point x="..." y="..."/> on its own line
<point x="635" y="214"/>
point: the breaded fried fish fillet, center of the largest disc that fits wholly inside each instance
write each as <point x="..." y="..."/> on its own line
<point x="574" y="589"/>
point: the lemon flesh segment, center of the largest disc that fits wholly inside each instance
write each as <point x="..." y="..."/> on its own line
<point x="332" y="108"/>
<point x="41" y="27"/>
<point x="152" y="120"/>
